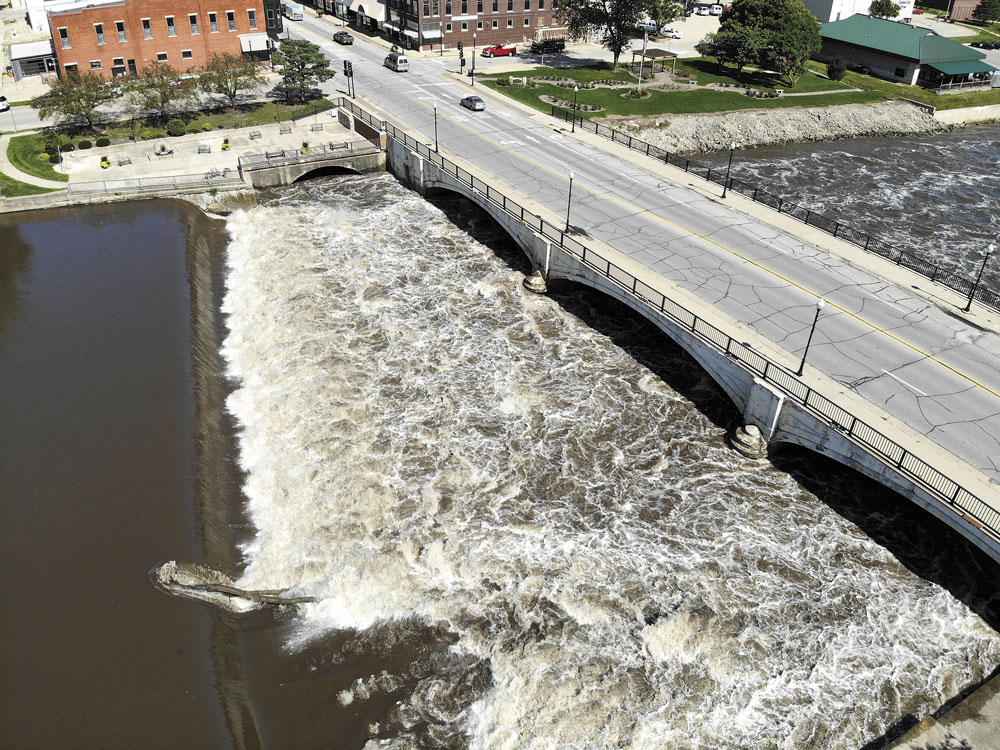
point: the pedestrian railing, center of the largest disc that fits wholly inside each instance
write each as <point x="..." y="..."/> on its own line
<point x="213" y="178"/>
<point x="932" y="271"/>
<point x="288" y="156"/>
<point x="963" y="502"/>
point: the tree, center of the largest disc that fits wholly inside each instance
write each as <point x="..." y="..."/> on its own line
<point x="788" y="34"/>
<point x="615" y="21"/>
<point x="735" y="44"/>
<point x="836" y="68"/>
<point x="883" y="9"/>
<point x="74" y="99"/>
<point x="230" y="75"/>
<point x="663" y="11"/>
<point x="302" y="65"/>
<point x="159" y="90"/>
<point x="987" y="10"/>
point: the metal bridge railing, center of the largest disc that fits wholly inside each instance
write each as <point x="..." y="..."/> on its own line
<point x="891" y="453"/>
<point x="288" y="156"/>
<point x="986" y="297"/>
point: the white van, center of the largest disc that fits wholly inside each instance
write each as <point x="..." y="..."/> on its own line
<point x="715" y="10"/>
<point x="292" y="11"/>
<point x="397" y="61"/>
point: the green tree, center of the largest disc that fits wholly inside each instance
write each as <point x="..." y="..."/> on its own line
<point x="987" y="10"/>
<point x="788" y="34"/>
<point x="74" y="99"/>
<point x="302" y="65"/>
<point x="836" y="68"/>
<point x="883" y="9"/>
<point x="663" y="11"/>
<point x="158" y="90"/>
<point x="736" y="45"/>
<point x="230" y="75"/>
<point x="614" y="21"/>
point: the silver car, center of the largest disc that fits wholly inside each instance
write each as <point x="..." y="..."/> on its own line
<point x="474" y="103"/>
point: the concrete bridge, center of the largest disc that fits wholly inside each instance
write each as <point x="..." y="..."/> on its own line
<point x="271" y="169"/>
<point x="778" y="406"/>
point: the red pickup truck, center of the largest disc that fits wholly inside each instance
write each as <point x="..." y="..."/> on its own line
<point x="499" y="50"/>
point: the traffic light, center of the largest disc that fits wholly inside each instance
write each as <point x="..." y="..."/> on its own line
<point x="347" y="68"/>
<point x="460" y="48"/>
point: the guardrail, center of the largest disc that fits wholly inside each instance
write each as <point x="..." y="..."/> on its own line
<point x="211" y="179"/>
<point x="288" y="156"/>
<point x="965" y="287"/>
<point x="891" y="453"/>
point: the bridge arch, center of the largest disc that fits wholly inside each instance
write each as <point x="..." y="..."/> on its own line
<point x="325" y="171"/>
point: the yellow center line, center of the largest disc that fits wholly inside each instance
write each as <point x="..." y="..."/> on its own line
<point x="632" y="207"/>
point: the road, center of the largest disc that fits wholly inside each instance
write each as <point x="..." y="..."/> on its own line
<point x="931" y="370"/>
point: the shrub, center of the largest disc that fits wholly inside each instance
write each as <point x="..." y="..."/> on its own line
<point x="53" y="158"/>
<point x="206" y="127"/>
<point x="84" y="145"/>
<point x="836" y="68"/>
<point x="176" y="127"/>
<point x="67" y="147"/>
<point x="503" y="81"/>
<point x="102" y="142"/>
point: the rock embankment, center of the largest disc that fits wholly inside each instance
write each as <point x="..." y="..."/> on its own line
<point x="767" y="127"/>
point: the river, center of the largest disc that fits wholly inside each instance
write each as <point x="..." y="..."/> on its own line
<point x="518" y="513"/>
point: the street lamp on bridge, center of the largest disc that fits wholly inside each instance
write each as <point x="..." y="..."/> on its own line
<point x="569" y="199"/>
<point x="473" y="59"/>
<point x="725" y="185"/>
<point x="576" y="90"/>
<point x="820" y="304"/>
<point x="975" y="287"/>
<point x="435" y="128"/>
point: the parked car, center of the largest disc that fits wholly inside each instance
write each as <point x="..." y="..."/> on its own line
<point x="4" y="104"/>
<point x="397" y="61"/>
<point x="992" y="45"/>
<point x="547" y="46"/>
<point x="649" y="26"/>
<point x="688" y="12"/>
<point x="474" y="103"/>
<point x="670" y="33"/>
<point x="917" y="11"/>
<point x="342" y="37"/>
<point x="702" y="10"/>
<point x="499" y="50"/>
<point x="715" y="10"/>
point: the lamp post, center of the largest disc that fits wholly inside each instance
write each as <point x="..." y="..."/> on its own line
<point x="820" y="304"/>
<point x="975" y="287"/>
<point x="569" y="199"/>
<point x="576" y="90"/>
<point x="725" y="185"/>
<point x="473" y="59"/>
<point x="435" y="128"/>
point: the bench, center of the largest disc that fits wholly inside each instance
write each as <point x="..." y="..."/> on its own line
<point x="274" y="154"/>
<point x="123" y="160"/>
<point x="204" y="148"/>
<point x="336" y="146"/>
<point x="254" y="135"/>
<point x="285" y="129"/>
<point x="317" y="126"/>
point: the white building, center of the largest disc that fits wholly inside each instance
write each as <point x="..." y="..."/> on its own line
<point x="36" y="15"/>
<point x="837" y="10"/>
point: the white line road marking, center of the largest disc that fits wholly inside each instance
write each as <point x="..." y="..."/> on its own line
<point x="904" y="383"/>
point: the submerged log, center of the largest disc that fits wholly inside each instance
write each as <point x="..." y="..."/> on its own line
<point x="208" y="585"/>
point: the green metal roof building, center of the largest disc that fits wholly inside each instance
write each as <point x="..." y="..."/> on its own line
<point x="903" y="53"/>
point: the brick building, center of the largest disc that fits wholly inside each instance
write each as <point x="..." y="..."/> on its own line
<point x="121" y="37"/>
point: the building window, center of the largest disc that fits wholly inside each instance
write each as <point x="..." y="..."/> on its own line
<point x="171" y="29"/>
<point x="193" y="20"/>
<point x="231" y="19"/>
<point x="541" y="4"/>
<point x="186" y="54"/>
<point x="465" y="7"/>
<point x="447" y="7"/>
<point x="437" y="8"/>
<point x="118" y="62"/>
<point x="252" y="17"/>
<point x="447" y="27"/>
<point x="495" y="24"/>
<point x="427" y="7"/>
<point x="213" y="22"/>
<point x="95" y="64"/>
<point x="541" y="21"/>
<point x="527" y="4"/>
<point x="510" y="23"/>
<point x="479" y="25"/>
<point x="465" y="26"/>
<point x="64" y="37"/>
<point x="479" y="6"/>
<point x="161" y="57"/>
<point x="71" y="69"/>
<point x="147" y="30"/>
<point x="527" y="21"/>
<point x="99" y="30"/>
<point x="900" y="72"/>
<point x="496" y="5"/>
<point x="510" y="5"/>
<point x="120" y="28"/>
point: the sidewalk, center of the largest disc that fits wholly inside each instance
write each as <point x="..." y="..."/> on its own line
<point x="11" y="171"/>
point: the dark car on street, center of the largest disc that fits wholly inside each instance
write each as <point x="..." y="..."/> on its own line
<point x="547" y="46"/>
<point x="342" y="37"/>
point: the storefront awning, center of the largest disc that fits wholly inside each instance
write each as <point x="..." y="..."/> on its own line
<point x="369" y="8"/>
<point x="411" y="33"/>
<point x="962" y="67"/>
<point x="253" y="42"/>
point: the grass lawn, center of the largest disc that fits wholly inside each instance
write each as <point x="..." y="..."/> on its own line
<point x="599" y="72"/>
<point x="12" y="188"/>
<point x="673" y="102"/>
<point x="706" y="70"/>
<point x="941" y="101"/>
<point x="24" y="153"/>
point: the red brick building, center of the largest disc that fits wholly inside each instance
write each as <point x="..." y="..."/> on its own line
<point x="121" y="37"/>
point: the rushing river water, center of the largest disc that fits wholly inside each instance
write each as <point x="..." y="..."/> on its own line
<point x="518" y="513"/>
